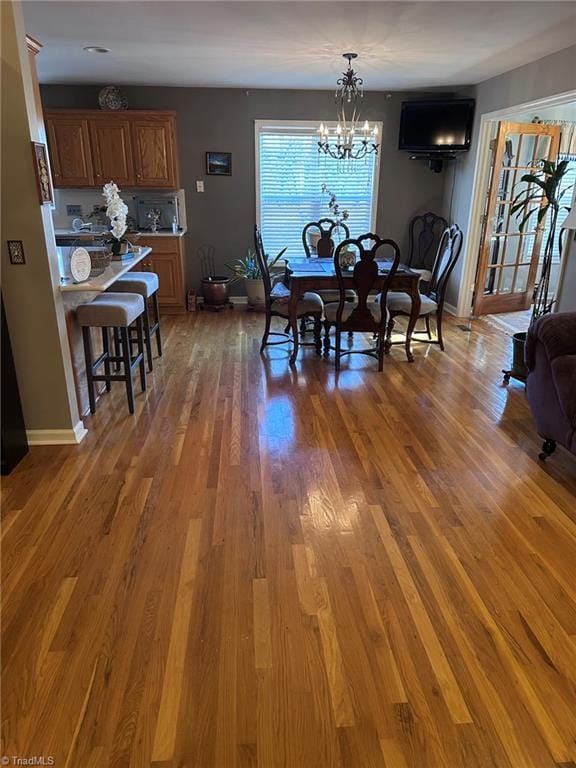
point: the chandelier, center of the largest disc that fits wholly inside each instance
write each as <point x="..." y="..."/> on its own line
<point x="348" y="141"/>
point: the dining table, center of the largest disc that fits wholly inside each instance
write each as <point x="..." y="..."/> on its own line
<point x="318" y="274"/>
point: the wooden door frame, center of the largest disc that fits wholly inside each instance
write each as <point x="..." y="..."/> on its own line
<point x="479" y="183"/>
<point x="512" y="301"/>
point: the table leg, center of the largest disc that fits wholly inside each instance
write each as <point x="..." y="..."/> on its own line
<point x="293" y="320"/>
<point x="413" y="319"/>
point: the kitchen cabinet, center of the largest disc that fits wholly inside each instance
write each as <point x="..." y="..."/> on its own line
<point x="70" y="152"/>
<point x="112" y="157"/>
<point x="167" y="260"/>
<point x="154" y="156"/>
<point x="134" y="148"/>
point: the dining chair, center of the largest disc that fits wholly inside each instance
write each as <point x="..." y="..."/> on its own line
<point x="366" y="313"/>
<point x="424" y="235"/>
<point x="432" y="296"/>
<point x="309" y="304"/>
<point x="325" y="230"/>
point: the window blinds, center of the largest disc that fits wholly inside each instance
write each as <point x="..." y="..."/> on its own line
<point x="291" y="175"/>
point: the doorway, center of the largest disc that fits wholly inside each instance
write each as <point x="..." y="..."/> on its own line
<point x="502" y="264"/>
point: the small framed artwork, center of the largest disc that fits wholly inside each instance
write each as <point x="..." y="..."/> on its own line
<point x="42" y="173"/>
<point x="219" y="163"/>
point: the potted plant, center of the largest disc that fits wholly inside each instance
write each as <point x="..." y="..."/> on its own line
<point x="249" y="270"/>
<point x="116" y="211"/>
<point x="542" y="197"/>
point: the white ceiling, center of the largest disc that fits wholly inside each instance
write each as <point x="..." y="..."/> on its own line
<point x="266" y="44"/>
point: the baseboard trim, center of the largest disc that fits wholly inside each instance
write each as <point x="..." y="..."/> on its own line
<point x="451" y="309"/>
<point x="57" y="436"/>
<point x="239" y="300"/>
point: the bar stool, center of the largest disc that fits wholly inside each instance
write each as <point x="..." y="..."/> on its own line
<point x="116" y="311"/>
<point x="146" y="284"/>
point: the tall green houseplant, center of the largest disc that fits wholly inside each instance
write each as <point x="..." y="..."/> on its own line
<point x="542" y="197"/>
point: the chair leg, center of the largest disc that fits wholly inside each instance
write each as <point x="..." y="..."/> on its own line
<point x="266" y="331"/>
<point x="338" y="347"/>
<point x="125" y="343"/>
<point x="302" y="327"/>
<point x="87" y="338"/>
<point x="117" y="348"/>
<point x="156" y="308"/>
<point x="381" y="346"/>
<point x="145" y="321"/>
<point x="140" y="322"/>
<point x="106" y="350"/>
<point x="439" y="330"/>
<point x="428" y="330"/>
<point x="318" y="334"/>
<point x="326" y="338"/>
<point x="389" y="331"/>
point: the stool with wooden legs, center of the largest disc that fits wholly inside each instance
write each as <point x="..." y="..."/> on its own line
<point x="117" y="311"/>
<point x="146" y="284"/>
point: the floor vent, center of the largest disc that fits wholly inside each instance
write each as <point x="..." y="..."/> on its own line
<point x="465" y="328"/>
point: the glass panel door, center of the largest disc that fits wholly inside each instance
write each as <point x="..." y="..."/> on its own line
<point x="508" y="260"/>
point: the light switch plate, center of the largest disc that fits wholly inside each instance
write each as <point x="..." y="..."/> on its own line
<point x="199" y="186"/>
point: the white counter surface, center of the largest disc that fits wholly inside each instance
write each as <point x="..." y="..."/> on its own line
<point x="107" y="278"/>
<point x="87" y="234"/>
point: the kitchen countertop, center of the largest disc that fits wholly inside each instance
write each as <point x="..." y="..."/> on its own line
<point x="108" y="277"/>
<point x="85" y="233"/>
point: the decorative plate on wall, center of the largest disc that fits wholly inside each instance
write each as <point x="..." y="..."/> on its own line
<point x="80" y="265"/>
<point x="112" y="97"/>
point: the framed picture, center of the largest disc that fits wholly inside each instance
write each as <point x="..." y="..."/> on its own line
<point x="219" y="163"/>
<point x="42" y="169"/>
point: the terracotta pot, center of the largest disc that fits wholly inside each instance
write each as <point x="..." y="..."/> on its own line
<point x="216" y="289"/>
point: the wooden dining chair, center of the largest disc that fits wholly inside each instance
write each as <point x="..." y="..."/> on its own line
<point x="327" y="229"/>
<point x="432" y="297"/>
<point x="309" y="304"/>
<point x="367" y="313"/>
<point x="424" y="235"/>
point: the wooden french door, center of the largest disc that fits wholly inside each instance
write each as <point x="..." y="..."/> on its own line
<point x="508" y="260"/>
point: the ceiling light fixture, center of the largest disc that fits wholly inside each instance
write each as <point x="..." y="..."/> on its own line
<point x="349" y="140"/>
<point x="95" y="49"/>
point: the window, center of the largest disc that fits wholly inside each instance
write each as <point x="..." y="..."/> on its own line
<point x="290" y="174"/>
<point x="567" y="184"/>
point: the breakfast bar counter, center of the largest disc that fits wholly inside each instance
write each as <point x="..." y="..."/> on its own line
<point x="75" y="294"/>
<point x="106" y="279"/>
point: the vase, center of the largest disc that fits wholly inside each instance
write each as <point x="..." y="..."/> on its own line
<point x="119" y="248"/>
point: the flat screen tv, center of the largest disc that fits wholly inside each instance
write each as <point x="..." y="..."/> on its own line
<point x="436" y="127"/>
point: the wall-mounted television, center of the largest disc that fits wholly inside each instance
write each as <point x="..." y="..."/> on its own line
<point x="436" y="127"/>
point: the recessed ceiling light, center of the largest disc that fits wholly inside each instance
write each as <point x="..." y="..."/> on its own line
<point x="96" y="49"/>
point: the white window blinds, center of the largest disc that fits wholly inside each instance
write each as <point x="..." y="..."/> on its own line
<point x="290" y="178"/>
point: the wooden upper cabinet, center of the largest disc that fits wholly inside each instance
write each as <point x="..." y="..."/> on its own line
<point x="70" y="154"/>
<point x="112" y="151"/>
<point x="155" y="151"/>
<point x="133" y="148"/>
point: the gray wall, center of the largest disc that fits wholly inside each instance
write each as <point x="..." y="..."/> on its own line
<point x="550" y="76"/>
<point x="223" y="119"/>
<point x="34" y="311"/>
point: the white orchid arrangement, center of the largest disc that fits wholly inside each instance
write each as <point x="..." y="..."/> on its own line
<point x="116" y="210"/>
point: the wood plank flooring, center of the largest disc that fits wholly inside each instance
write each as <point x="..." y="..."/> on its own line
<point x="282" y="568"/>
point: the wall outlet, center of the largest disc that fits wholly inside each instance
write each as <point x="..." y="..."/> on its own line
<point x="73" y="210"/>
<point x="199" y="186"/>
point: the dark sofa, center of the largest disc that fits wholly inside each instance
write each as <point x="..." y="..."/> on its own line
<point x="551" y="383"/>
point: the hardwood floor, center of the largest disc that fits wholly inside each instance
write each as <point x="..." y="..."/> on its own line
<point x="280" y="568"/>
